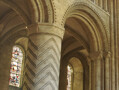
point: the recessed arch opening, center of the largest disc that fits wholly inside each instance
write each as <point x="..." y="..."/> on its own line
<point x="80" y="66"/>
<point x="76" y="75"/>
<point x="21" y="44"/>
<point x="91" y="24"/>
<point x="85" y="34"/>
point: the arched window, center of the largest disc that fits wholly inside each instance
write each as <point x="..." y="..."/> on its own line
<point x="16" y="67"/>
<point x="69" y="77"/>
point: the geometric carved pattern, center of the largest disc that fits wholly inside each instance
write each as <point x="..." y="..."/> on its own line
<point x="42" y="65"/>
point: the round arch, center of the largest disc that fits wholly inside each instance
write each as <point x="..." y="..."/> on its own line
<point x="96" y="28"/>
<point x="36" y="11"/>
<point x="63" y="70"/>
<point x="77" y="83"/>
<point x="17" y="10"/>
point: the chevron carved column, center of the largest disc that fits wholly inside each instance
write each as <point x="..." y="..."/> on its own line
<point x="43" y="59"/>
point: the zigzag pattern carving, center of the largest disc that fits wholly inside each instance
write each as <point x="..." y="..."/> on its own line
<point x="42" y="66"/>
<point x="38" y="63"/>
<point x="38" y="47"/>
<point x="37" y="56"/>
<point x="45" y="85"/>
<point x="47" y="67"/>
<point x="25" y="85"/>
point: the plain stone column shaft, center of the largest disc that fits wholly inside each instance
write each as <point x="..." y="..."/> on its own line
<point x="107" y="72"/>
<point x="98" y="74"/>
<point x="97" y="2"/>
<point x="93" y="72"/>
<point x="105" y="5"/>
<point x="96" y="77"/>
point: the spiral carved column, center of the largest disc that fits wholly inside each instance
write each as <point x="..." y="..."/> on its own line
<point x="43" y="59"/>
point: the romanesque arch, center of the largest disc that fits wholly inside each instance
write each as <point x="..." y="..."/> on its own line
<point x="66" y="59"/>
<point x="96" y="32"/>
<point x="88" y="28"/>
<point x="33" y="11"/>
<point x="92" y="20"/>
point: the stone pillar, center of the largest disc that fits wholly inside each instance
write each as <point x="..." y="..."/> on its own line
<point x="43" y="57"/>
<point x="93" y="72"/>
<point x="90" y="63"/>
<point x="105" y="5"/>
<point x="101" y="3"/>
<point x="97" y="2"/>
<point x="96" y="59"/>
<point x="107" y="71"/>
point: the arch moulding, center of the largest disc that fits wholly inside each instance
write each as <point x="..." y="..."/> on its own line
<point x="96" y="25"/>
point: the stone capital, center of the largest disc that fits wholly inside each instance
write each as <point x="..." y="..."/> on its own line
<point x="96" y="56"/>
<point x="107" y="54"/>
<point x="40" y="28"/>
<point x="89" y="60"/>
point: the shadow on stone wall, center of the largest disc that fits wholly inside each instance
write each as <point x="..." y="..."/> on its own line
<point x="14" y="88"/>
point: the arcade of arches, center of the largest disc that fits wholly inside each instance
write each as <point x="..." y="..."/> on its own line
<point x="59" y="44"/>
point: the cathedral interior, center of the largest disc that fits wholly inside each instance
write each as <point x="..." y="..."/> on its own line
<point x="59" y="44"/>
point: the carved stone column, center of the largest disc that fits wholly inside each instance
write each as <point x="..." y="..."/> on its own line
<point x="96" y="59"/>
<point x="43" y="59"/>
<point x="107" y="71"/>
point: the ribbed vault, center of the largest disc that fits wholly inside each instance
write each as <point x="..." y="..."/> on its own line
<point x="32" y="11"/>
<point x="16" y="15"/>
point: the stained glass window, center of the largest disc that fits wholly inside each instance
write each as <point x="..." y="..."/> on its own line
<point x="16" y="65"/>
<point x="69" y="77"/>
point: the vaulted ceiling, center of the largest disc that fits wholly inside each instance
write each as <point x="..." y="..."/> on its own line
<point x="10" y="22"/>
<point x="76" y="36"/>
